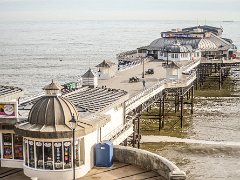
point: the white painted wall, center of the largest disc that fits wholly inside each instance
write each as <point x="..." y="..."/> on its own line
<point x="117" y="119"/>
<point x="107" y="73"/>
<point x="89" y="147"/>
<point x="13" y="163"/>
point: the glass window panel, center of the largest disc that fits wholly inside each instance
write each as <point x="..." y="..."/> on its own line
<point x="48" y="159"/>
<point x="77" y="153"/>
<point x="58" y="155"/>
<point x="7" y="145"/>
<point x="18" y="146"/>
<point x="26" y="151"/>
<point x="67" y="155"/>
<point x="39" y="154"/>
<point x="82" y="151"/>
<point x="31" y="154"/>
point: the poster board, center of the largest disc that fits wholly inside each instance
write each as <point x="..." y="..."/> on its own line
<point x="8" y="109"/>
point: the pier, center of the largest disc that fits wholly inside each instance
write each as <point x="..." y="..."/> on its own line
<point x="168" y="95"/>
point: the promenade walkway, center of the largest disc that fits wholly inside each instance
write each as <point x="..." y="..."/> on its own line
<point x="121" y="80"/>
<point x="116" y="171"/>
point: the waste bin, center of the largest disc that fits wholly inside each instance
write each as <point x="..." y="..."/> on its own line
<point x="104" y="154"/>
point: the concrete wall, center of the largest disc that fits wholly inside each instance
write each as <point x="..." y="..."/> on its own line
<point x="117" y="120"/>
<point x="149" y="161"/>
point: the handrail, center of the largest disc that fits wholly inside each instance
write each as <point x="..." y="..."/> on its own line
<point x="113" y="134"/>
<point x="163" y="84"/>
<point x="29" y="98"/>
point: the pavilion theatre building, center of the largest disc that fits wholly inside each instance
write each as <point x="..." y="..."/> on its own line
<point x="42" y="142"/>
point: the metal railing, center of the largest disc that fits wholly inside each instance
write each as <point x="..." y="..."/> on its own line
<point x="145" y="92"/>
<point x="117" y="131"/>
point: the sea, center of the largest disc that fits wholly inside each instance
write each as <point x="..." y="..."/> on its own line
<point x="32" y="54"/>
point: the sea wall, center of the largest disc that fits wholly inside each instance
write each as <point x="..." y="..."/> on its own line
<point x="149" y="161"/>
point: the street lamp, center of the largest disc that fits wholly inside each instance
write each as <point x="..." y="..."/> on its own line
<point x="167" y="51"/>
<point x="73" y="125"/>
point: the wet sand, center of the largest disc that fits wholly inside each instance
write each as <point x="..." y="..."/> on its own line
<point x="214" y="129"/>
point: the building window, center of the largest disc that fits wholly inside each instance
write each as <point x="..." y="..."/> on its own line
<point x="51" y="155"/>
<point x="58" y="155"/>
<point x="7" y="146"/>
<point x="31" y="154"/>
<point x="77" y="153"/>
<point x="176" y="55"/>
<point x="48" y="159"/>
<point x="18" y="146"/>
<point x="39" y="154"/>
<point x="67" y="155"/>
<point x="26" y="151"/>
<point x="82" y="151"/>
<point x="172" y="55"/>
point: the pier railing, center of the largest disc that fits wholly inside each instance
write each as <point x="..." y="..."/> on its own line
<point x="144" y="95"/>
<point x="181" y="82"/>
<point x="140" y="98"/>
<point x="135" y="101"/>
<point x="117" y="131"/>
<point x="29" y="98"/>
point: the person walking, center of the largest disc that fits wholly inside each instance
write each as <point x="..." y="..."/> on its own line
<point x="144" y="84"/>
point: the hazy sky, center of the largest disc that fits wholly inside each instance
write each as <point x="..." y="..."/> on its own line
<point x="17" y="10"/>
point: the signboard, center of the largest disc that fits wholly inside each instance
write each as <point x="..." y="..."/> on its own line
<point x="8" y="109"/>
<point x="181" y="35"/>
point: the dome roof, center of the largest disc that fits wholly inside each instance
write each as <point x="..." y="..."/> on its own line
<point x="207" y="44"/>
<point x="52" y="111"/>
<point x="177" y="48"/>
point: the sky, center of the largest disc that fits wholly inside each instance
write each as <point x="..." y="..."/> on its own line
<point x="37" y="10"/>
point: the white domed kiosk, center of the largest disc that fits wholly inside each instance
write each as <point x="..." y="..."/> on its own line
<point x="47" y="138"/>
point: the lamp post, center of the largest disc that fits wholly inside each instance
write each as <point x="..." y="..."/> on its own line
<point x="167" y="51"/>
<point x="73" y="124"/>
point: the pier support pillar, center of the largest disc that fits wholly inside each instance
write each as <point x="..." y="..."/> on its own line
<point x="138" y="132"/>
<point x="192" y="95"/>
<point x="163" y="113"/>
<point x="134" y="133"/>
<point x="181" y="115"/>
<point x="160" y="115"/>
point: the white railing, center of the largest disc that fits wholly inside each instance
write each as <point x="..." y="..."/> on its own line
<point x="117" y="131"/>
<point x="149" y="92"/>
<point x="180" y="82"/>
<point x="29" y="98"/>
<point x="155" y="89"/>
<point x="143" y="96"/>
<point x="191" y="65"/>
<point x="126" y="53"/>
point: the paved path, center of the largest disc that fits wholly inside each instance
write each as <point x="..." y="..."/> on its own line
<point x="121" y="80"/>
<point x="193" y="141"/>
<point x="121" y="171"/>
<point x="117" y="171"/>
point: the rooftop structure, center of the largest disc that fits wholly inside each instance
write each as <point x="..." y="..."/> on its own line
<point x="206" y="39"/>
<point x="87" y="100"/>
<point x="10" y="93"/>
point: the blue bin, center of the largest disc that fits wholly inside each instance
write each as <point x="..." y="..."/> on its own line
<point x="104" y="154"/>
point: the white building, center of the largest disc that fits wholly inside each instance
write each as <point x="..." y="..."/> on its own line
<point x="206" y="40"/>
<point x="106" y="69"/>
<point x="42" y="144"/>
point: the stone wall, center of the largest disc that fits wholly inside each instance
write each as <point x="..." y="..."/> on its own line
<point x="149" y="161"/>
